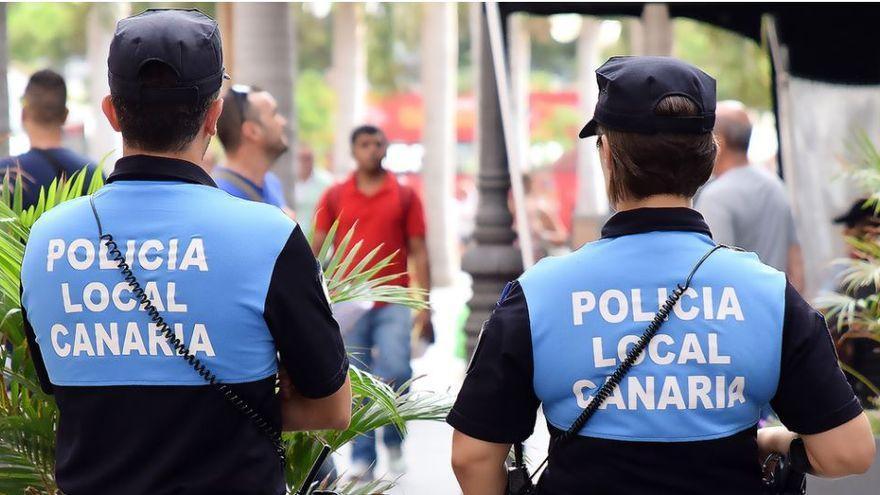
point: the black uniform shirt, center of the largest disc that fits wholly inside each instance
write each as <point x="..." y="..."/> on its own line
<point x="156" y="439"/>
<point x="497" y="402"/>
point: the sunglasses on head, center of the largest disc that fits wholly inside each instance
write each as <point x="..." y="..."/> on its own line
<point x="240" y="94"/>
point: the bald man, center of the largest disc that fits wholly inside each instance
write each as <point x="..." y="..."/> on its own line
<point x="746" y="206"/>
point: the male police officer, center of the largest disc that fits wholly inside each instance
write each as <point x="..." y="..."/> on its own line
<point x="683" y="419"/>
<point x="234" y="279"/>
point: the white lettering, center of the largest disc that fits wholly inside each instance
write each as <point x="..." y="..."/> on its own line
<point x="654" y="349"/>
<point x="157" y="339"/>
<point x="195" y="256"/>
<point x="638" y="314"/>
<point x="200" y="341"/>
<point x="623" y="348"/>
<point x="671" y="394"/>
<point x="56" y="251"/>
<point x="81" y="341"/>
<point x="146" y="247"/>
<point x="65" y="299"/>
<point x="61" y="350"/>
<point x="109" y="341"/>
<point x="103" y="297"/>
<point x="691" y="350"/>
<point x="714" y="357"/>
<point x="578" y="389"/>
<point x="581" y="302"/>
<point x="679" y="308"/>
<point x="133" y="340"/>
<point x="173" y="306"/>
<point x="599" y="360"/>
<point x="172" y="254"/>
<point x="622" y="306"/>
<point x="736" y="391"/>
<point x="698" y="389"/>
<point x="88" y="251"/>
<point x="117" y="300"/>
<point x="638" y="393"/>
<point x="729" y="305"/>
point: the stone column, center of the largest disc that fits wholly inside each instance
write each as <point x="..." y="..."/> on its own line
<point x="264" y="55"/>
<point x="4" y="89"/>
<point x="591" y="205"/>
<point x="101" y="21"/>
<point x="439" y="70"/>
<point x="348" y="76"/>
<point x="491" y="259"/>
<point x="658" y="29"/>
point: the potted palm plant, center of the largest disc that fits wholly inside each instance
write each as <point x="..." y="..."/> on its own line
<point x="855" y="306"/>
<point x="28" y="417"/>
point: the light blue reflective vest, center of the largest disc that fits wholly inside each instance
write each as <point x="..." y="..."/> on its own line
<point x="705" y="375"/>
<point x="183" y="248"/>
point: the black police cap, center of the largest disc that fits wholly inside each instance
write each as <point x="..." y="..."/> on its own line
<point x="631" y="87"/>
<point x="860" y="211"/>
<point x="188" y="41"/>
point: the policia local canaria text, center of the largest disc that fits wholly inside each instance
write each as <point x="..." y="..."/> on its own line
<point x="131" y="337"/>
<point x="672" y="392"/>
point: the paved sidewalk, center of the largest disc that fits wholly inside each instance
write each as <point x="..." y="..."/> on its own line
<point x="427" y="448"/>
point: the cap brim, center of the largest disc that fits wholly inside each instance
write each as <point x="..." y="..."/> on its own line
<point x="589" y="129"/>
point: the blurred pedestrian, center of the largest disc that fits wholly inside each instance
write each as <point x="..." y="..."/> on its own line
<point x="311" y="182"/>
<point x="254" y="136"/>
<point x="746" y="206"/>
<point x="857" y="348"/>
<point x="43" y="114"/>
<point x="388" y="214"/>
<point x="191" y="404"/>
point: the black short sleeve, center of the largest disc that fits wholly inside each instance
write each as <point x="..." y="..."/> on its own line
<point x="36" y="354"/>
<point x="299" y="317"/>
<point x="497" y="402"/>
<point x="813" y="395"/>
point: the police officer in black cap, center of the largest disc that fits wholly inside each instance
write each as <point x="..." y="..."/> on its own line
<point x="156" y="309"/>
<point x="653" y="350"/>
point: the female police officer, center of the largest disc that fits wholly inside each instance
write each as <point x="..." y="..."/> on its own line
<point x="683" y="419"/>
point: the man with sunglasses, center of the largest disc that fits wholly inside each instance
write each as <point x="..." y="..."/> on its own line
<point x="253" y="135"/>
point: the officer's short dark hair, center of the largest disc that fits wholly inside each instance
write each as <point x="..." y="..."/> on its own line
<point x="644" y="165"/>
<point x="156" y="126"/>
<point x="45" y="98"/>
<point x="370" y="130"/>
<point x="236" y="110"/>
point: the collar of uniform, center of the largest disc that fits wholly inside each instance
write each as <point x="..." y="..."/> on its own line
<point x="641" y="220"/>
<point x="146" y="167"/>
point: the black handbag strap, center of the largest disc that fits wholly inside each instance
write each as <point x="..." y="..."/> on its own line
<point x="615" y="378"/>
<point x="53" y="161"/>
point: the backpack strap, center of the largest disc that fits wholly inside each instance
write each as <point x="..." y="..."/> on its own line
<point x="53" y="162"/>
<point x="247" y="188"/>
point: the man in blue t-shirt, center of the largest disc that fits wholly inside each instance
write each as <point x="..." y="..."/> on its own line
<point x="43" y="113"/>
<point x="253" y="135"/>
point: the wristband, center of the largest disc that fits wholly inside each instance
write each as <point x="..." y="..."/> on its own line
<point x="797" y="455"/>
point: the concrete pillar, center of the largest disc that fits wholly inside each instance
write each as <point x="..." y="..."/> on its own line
<point x="591" y="206"/>
<point x="4" y="88"/>
<point x="264" y="55"/>
<point x="520" y="50"/>
<point x="658" y="29"/>
<point x="439" y="85"/>
<point x="348" y="76"/>
<point x="101" y="22"/>
<point x="491" y="259"/>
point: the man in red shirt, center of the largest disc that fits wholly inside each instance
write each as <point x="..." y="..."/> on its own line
<point x="388" y="214"/>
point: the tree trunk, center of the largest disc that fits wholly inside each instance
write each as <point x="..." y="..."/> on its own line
<point x="264" y="55"/>
<point x="101" y="20"/>
<point x="592" y="204"/>
<point x="4" y="89"/>
<point x="439" y="70"/>
<point x="348" y="78"/>
<point x="658" y="30"/>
